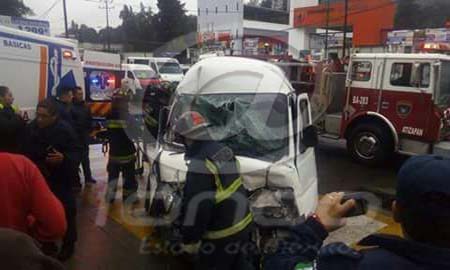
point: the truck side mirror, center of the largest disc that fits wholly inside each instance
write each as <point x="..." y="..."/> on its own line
<point x="310" y="137"/>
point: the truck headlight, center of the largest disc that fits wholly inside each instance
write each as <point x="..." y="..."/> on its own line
<point x="274" y="207"/>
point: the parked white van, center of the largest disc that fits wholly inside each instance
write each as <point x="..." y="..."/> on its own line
<point x="34" y="67"/>
<point x="140" y="76"/>
<point x="254" y="110"/>
<point x="168" y="68"/>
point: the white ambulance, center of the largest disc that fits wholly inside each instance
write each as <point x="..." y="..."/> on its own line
<point x="140" y="76"/>
<point x="103" y="75"/>
<point x="34" y="67"/>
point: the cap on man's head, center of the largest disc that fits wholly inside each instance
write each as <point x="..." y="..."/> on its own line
<point x="424" y="185"/>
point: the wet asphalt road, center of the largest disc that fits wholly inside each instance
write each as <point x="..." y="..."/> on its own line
<point x="338" y="172"/>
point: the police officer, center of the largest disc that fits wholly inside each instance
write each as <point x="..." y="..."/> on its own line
<point x="63" y="102"/>
<point x="122" y="151"/>
<point x="9" y="114"/>
<point x="83" y="126"/>
<point x="215" y="207"/>
<point x="421" y="207"/>
<point x="7" y="102"/>
<point x="52" y="145"/>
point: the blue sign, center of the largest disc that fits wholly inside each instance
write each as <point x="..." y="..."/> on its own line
<point x="34" y="26"/>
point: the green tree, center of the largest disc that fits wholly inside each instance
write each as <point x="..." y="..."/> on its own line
<point x="88" y="34"/>
<point x="419" y="14"/>
<point x="407" y="13"/>
<point x="14" y="8"/>
<point x="83" y="33"/>
<point x="171" y="20"/>
<point x="138" y="28"/>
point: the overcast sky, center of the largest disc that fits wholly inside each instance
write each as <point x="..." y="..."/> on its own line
<point x="87" y="12"/>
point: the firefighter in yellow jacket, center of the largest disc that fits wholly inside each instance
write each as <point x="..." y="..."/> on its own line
<point x="122" y="151"/>
<point x="215" y="207"/>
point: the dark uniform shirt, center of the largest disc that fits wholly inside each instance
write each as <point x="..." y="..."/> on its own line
<point x="61" y="137"/>
<point x="65" y="112"/>
<point x="302" y="252"/>
<point x="121" y="130"/>
<point x="210" y="215"/>
<point x="82" y="119"/>
<point x="15" y="123"/>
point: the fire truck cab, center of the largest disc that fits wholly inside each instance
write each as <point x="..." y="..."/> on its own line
<point x="391" y="103"/>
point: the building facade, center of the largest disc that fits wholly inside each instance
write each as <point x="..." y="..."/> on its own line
<point x="221" y="23"/>
<point x="239" y="29"/>
<point x="369" y="21"/>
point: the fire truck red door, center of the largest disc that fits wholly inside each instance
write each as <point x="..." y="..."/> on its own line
<point x="406" y="98"/>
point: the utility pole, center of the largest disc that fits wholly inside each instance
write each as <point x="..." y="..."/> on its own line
<point x="108" y="37"/>
<point x="65" y="19"/>
<point x="344" y="50"/>
<point x="327" y="29"/>
<point x="107" y="7"/>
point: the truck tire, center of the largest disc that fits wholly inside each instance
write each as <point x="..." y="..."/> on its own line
<point x="370" y="144"/>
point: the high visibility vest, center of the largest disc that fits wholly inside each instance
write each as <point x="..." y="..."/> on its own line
<point x="150" y="121"/>
<point x="14" y="107"/>
<point x="116" y="124"/>
<point x="228" y="187"/>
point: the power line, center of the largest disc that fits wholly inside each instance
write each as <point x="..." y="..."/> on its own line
<point x="45" y="13"/>
<point x="108" y="5"/>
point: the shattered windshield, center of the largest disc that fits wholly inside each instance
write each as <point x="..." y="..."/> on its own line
<point x="254" y="126"/>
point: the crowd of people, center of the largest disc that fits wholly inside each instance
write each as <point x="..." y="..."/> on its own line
<point x="40" y="164"/>
<point x="41" y="161"/>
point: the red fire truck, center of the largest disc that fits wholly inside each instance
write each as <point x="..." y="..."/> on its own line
<point x="387" y="103"/>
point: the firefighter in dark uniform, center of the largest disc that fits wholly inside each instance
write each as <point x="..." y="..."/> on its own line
<point x="155" y="98"/>
<point x="421" y="207"/>
<point x="9" y="114"/>
<point x="122" y="151"/>
<point x="52" y="145"/>
<point x="215" y="207"/>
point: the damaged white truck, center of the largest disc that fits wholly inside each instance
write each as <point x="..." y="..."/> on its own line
<point x="254" y="110"/>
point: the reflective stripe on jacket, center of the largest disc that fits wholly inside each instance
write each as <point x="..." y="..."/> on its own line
<point x="229" y="190"/>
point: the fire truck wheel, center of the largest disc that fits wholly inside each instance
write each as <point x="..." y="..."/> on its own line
<point x="370" y="144"/>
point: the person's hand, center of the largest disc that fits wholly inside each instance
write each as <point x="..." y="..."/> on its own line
<point x="55" y="158"/>
<point x="331" y="211"/>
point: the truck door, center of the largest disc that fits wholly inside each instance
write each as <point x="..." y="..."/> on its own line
<point x="406" y="98"/>
<point x="362" y="92"/>
<point x="305" y="159"/>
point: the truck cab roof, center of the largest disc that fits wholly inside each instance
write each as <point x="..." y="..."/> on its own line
<point x="221" y="75"/>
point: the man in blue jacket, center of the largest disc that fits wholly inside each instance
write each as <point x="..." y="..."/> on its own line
<point x="422" y="208"/>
